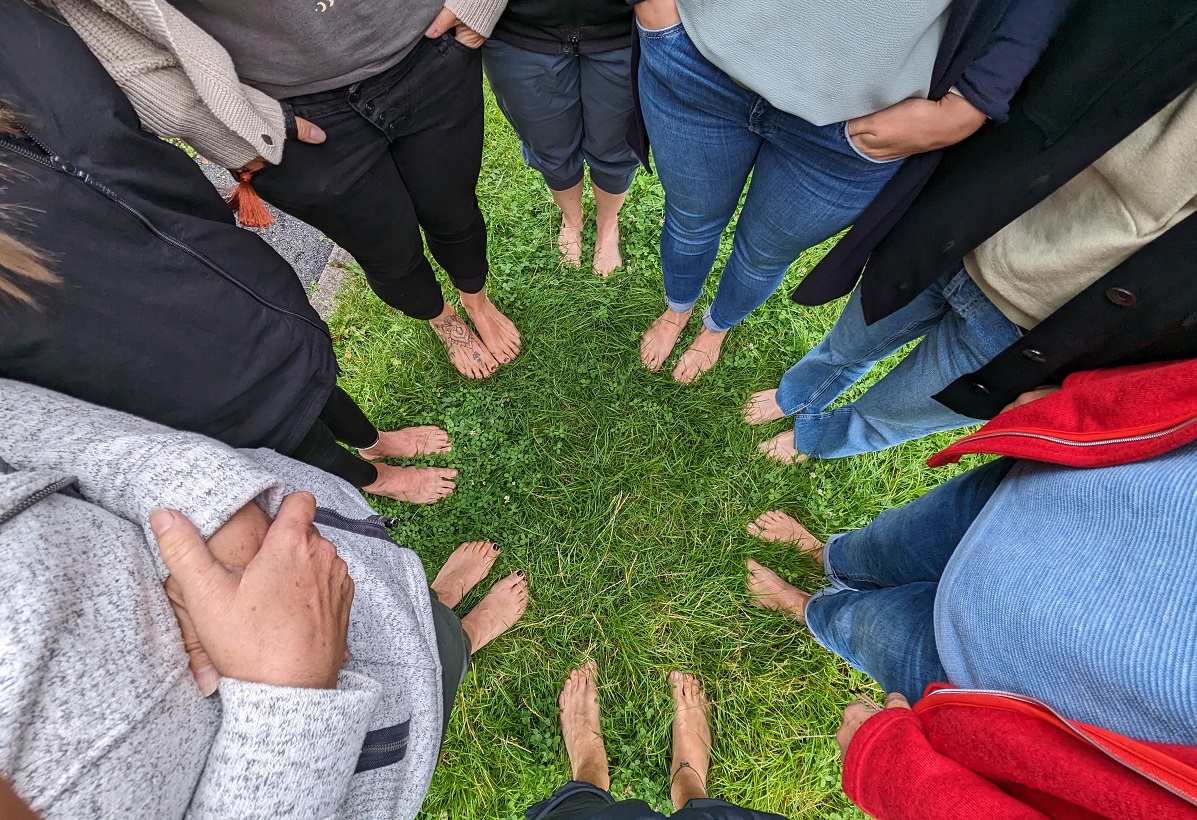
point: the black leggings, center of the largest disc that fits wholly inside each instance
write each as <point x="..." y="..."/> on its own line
<point x="340" y="420"/>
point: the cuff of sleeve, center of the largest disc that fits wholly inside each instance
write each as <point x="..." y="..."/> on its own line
<point x="864" y="777"/>
<point x="480" y="15"/>
<point x="995" y="110"/>
<point x="287" y="751"/>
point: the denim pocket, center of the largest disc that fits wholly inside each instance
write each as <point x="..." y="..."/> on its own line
<point x="862" y="154"/>
<point x="659" y="33"/>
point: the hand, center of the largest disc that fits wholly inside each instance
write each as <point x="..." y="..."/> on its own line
<point x="284" y="621"/>
<point x="915" y="127"/>
<point x="657" y="14"/>
<point x="1030" y="396"/>
<point x="307" y="132"/>
<point x="446" y="20"/>
<point x="857" y="713"/>
<point x="234" y="545"/>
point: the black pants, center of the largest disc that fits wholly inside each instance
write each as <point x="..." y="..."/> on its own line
<point x="404" y="151"/>
<point x="584" y="801"/>
<point x="340" y="420"/>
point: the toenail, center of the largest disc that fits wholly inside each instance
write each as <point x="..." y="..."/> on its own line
<point x="494" y="547"/>
<point x="520" y="573"/>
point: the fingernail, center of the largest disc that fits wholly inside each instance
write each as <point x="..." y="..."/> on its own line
<point x="207" y="679"/>
<point x="318" y="133"/>
<point x="161" y="520"/>
<point x="520" y="573"/>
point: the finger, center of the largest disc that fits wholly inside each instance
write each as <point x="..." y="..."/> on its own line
<point x="187" y="557"/>
<point x="856" y="713"/>
<point x="294" y="526"/>
<point x="896" y="700"/>
<point x="256" y="164"/>
<point x="444" y="21"/>
<point x="309" y="132"/>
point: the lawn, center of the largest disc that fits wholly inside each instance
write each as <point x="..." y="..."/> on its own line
<point x="624" y="497"/>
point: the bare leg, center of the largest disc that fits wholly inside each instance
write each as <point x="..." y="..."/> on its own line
<point x="606" y="243"/>
<point x="569" y="240"/>
<point x="691" y="740"/>
<point x="468" y="565"/>
<point x="498" y="611"/>
<point x="777" y="526"/>
<point x="581" y="728"/>
<point x="415" y="485"/>
<point x="768" y="591"/>
<point x="659" y="340"/>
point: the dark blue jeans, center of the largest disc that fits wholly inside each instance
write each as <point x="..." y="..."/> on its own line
<point x="708" y="135"/>
<point x="878" y="613"/>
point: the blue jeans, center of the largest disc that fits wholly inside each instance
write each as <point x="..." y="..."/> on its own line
<point x="878" y="613"/>
<point x="962" y="330"/>
<point x="708" y="134"/>
<point x="569" y="111"/>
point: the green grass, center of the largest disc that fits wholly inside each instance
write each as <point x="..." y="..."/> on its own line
<point x="624" y="496"/>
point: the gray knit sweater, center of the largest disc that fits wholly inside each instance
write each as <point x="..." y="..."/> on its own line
<point x="99" y="714"/>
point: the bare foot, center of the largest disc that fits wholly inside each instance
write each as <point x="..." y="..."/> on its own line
<point x="466" y="351"/>
<point x="768" y="591"/>
<point x="777" y="526"/>
<point x="701" y="357"/>
<point x="781" y="448"/>
<point x="691" y="740"/>
<point x="498" y="611"/>
<point x="497" y="331"/>
<point x="408" y="442"/>
<point x="468" y="565"/>
<point x="581" y="728"/>
<point x="606" y="250"/>
<point x="659" y="340"/>
<point x="763" y="408"/>
<point x="415" y="485"/>
<point x="569" y="244"/>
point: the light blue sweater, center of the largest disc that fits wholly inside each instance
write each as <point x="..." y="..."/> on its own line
<point x="823" y="61"/>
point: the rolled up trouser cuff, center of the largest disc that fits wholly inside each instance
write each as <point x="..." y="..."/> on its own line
<point x="713" y="326"/>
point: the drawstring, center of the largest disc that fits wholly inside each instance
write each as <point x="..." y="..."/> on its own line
<point x="247" y="204"/>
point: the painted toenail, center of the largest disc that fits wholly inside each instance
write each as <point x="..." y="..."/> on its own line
<point x="520" y="573"/>
<point x="494" y="547"/>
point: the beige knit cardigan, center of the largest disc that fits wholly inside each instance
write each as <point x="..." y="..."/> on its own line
<point x="182" y="82"/>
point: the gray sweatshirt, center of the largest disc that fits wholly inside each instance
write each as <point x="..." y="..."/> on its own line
<point x="823" y="61"/>
<point x="99" y="714"/>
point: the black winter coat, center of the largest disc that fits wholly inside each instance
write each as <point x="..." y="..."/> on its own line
<point x="1112" y="67"/>
<point x="166" y="308"/>
<point x="566" y="26"/>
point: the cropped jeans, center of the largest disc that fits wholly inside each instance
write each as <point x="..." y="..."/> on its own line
<point x="962" y="330"/>
<point x="708" y="135"/>
<point x="878" y="613"/>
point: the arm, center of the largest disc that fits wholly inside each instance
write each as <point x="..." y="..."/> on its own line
<point x="165" y="81"/>
<point x="130" y="465"/>
<point x="991" y="80"/>
<point x="892" y="773"/>
<point x="283" y="751"/>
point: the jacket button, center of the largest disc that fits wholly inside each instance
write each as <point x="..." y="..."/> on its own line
<point x="980" y="386"/>
<point x="1121" y="297"/>
<point x="355" y="94"/>
<point x="369" y="109"/>
<point x="1035" y="355"/>
<point x="382" y="119"/>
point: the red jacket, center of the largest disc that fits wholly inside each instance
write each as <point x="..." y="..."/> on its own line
<point x="1099" y="418"/>
<point x="962" y="755"/>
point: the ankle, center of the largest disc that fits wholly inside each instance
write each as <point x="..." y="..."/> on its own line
<point x="594" y="772"/>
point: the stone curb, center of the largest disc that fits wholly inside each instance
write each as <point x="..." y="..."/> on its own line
<point x="328" y="284"/>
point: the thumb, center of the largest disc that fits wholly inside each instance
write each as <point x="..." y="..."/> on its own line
<point x="444" y="21"/>
<point x="187" y="557"/>
<point x="309" y="131"/>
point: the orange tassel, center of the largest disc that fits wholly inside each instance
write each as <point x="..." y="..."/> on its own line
<point x="246" y="203"/>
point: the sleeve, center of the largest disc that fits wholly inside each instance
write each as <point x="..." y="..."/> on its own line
<point x="480" y="15"/>
<point x="992" y="79"/>
<point x="283" y="752"/>
<point x="892" y="773"/>
<point x="165" y="96"/>
<point x="129" y="465"/>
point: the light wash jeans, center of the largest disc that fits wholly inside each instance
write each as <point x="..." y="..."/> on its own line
<point x="708" y="134"/>
<point x="878" y="614"/>
<point x="962" y="330"/>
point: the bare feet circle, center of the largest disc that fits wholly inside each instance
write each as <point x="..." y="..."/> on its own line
<point x="769" y="591"/>
<point x="466" y="567"/>
<point x="775" y="525"/>
<point x="762" y="408"/>
<point x="415" y="485"/>
<point x="691" y="739"/>
<point x="466" y="351"/>
<point x="659" y="340"/>
<point x="581" y="728"/>
<point x="408" y="443"/>
<point x="498" y="611"/>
